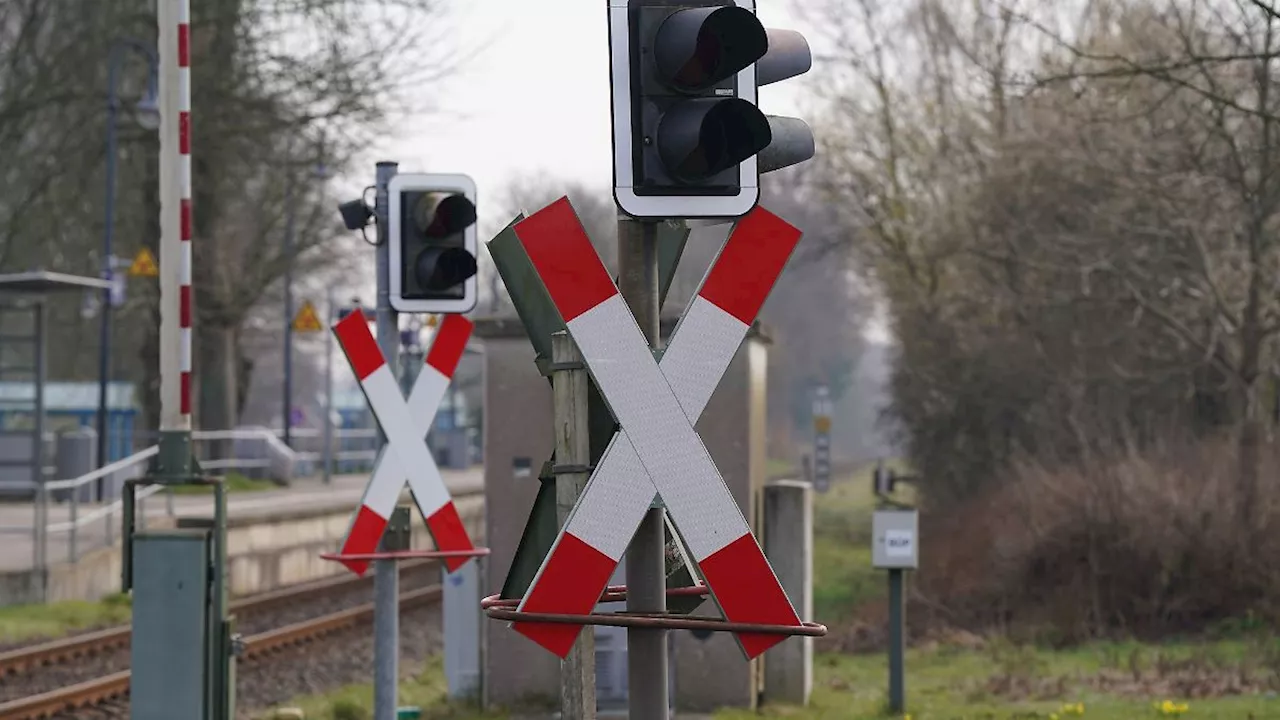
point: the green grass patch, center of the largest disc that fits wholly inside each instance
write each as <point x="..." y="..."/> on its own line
<point x="1233" y="678"/>
<point x="1006" y="683"/>
<point x="22" y="623"/>
<point x="780" y="468"/>
<point x="234" y="482"/>
<point x="1106" y="681"/>
<point x="427" y="690"/>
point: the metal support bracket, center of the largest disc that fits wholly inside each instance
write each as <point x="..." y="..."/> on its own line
<point x="571" y="469"/>
<point x="547" y="472"/>
<point x="399" y="532"/>
<point x="175" y="463"/>
<point x="500" y="608"/>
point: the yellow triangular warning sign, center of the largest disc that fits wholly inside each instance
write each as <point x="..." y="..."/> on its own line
<point x="307" y="320"/>
<point x="144" y="264"/>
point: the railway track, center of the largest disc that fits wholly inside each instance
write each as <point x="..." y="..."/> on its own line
<point x="116" y="685"/>
<point x="24" y="659"/>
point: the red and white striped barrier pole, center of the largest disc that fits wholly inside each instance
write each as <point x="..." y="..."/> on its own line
<point x="184" y="208"/>
<point x="176" y="221"/>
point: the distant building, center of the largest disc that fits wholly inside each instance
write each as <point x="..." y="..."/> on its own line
<point x="455" y="435"/>
<point x="71" y="405"/>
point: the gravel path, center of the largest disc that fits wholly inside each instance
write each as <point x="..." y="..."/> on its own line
<point x="317" y="605"/>
<point x="337" y="661"/>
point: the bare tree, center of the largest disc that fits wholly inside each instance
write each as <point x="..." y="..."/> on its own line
<point x="529" y="194"/>
<point x="1212" y="64"/>
<point x="279" y="88"/>
<point x="818" y="310"/>
<point x="1007" y="226"/>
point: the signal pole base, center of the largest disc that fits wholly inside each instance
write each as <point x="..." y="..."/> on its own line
<point x="175" y="464"/>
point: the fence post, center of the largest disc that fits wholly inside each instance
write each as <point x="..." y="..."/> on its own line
<point x="42" y="547"/>
<point x="72" y="555"/>
<point x="788" y="543"/>
<point x="35" y="527"/>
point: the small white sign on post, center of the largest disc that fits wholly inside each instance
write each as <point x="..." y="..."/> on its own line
<point x="893" y="539"/>
<point x="899" y="543"/>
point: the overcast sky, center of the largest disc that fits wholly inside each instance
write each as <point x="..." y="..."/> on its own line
<point x="536" y="99"/>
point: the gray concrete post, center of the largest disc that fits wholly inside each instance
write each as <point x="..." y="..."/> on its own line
<point x="788" y="543"/>
<point x="461" y="604"/>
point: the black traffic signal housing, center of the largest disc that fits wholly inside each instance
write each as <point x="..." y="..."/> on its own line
<point x="432" y="237"/>
<point x="689" y="140"/>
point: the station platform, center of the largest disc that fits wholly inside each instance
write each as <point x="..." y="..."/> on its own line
<point x="274" y="536"/>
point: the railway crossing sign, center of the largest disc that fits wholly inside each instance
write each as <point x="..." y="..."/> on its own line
<point x="656" y="404"/>
<point x="405" y="423"/>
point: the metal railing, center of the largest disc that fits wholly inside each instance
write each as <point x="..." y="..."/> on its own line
<point x="106" y="513"/>
<point x="347" y="450"/>
<point x="79" y="524"/>
<point x="40" y="529"/>
<point x="308" y="444"/>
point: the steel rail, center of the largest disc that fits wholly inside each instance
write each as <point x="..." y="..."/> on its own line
<point x="116" y="685"/>
<point x="23" y="659"/>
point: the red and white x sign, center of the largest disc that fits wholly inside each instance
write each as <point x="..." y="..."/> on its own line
<point x="657" y="448"/>
<point x="406" y="425"/>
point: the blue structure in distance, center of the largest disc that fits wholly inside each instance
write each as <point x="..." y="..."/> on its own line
<point x="72" y="405"/>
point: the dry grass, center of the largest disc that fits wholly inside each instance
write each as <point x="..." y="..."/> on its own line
<point x="1145" y="546"/>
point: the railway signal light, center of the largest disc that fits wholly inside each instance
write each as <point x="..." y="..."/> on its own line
<point x="432" y="236"/>
<point x="689" y="140"/>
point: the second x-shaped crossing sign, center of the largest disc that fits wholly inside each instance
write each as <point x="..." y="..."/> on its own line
<point x="406" y="425"/>
<point x="657" y="405"/>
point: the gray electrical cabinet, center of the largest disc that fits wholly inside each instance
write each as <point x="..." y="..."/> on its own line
<point x="169" y="650"/>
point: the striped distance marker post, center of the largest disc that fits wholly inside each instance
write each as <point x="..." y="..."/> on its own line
<point x="405" y="423"/>
<point x="657" y="448"/>
<point x="184" y="207"/>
